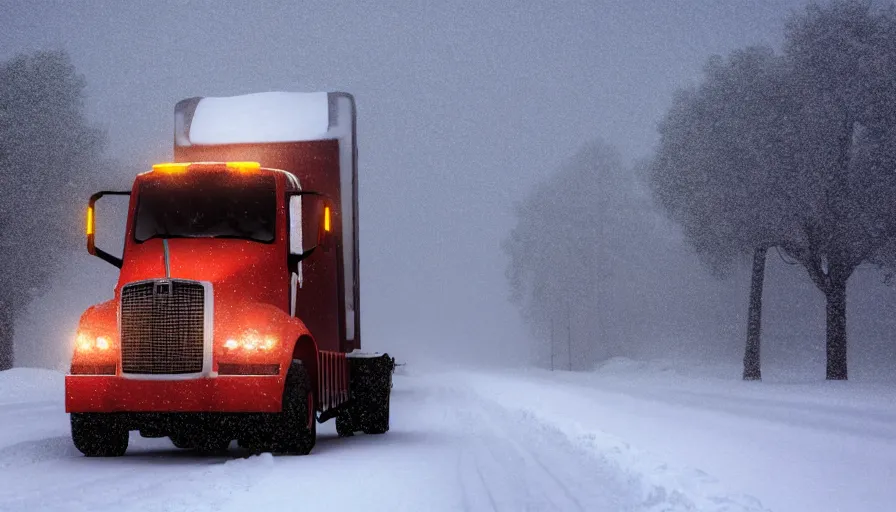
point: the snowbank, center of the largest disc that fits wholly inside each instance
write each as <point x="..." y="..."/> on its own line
<point x="796" y="443"/>
<point x="662" y="486"/>
<point x="717" y="382"/>
<point x="21" y="385"/>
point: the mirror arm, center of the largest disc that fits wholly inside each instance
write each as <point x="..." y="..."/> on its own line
<point x="108" y="258"/>
<point x="95" y="197"/>
<point x="294" y="259"/>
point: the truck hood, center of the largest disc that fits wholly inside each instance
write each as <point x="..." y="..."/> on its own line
<point x="239" y="270"/>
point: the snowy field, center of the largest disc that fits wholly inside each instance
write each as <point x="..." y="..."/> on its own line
<point x="627" y="437"/>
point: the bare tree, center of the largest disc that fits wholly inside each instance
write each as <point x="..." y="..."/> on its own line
<point x="715" y="171"/>
<point x="843" y="58"/>
<point x="46" y="150"/>
<point x="794" y="151"/>
<point x="566" y="247"/>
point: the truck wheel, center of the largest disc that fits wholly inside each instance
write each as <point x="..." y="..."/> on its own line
<point x="181" y="441"/>
<point x="375" y="404"/>
<point x="295" y="427"/>
<point x="377" y="420"/>
<point x="212" y="444"/>
<point x="345" y="427"/>
<point x="99" y="435"/>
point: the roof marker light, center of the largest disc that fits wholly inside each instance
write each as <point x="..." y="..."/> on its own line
<point x="244" y="166"/>
<point x="171" y="167"/>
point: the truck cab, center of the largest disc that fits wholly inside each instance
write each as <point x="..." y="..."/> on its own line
<point x="236" y="311"/>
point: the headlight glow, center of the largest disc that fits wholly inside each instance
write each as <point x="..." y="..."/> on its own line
<point x="87" y="343"/>
<point x="251" y="341"/>
<point x="83" y="343"/>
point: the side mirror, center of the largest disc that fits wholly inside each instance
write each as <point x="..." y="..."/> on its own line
<point x="310" y="224"/>
<point x="92" y="249"/>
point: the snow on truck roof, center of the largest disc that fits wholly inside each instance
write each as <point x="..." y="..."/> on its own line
<point x="264" y="117"/>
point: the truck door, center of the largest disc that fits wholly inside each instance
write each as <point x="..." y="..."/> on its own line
<point x="315" y="279"/>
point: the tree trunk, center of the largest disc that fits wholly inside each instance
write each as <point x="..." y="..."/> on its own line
<point x="6" y="338"/>
<point x="836" y="330"/>
<point x="752" y="366"/>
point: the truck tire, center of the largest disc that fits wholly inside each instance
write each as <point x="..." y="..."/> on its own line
<point x="295" y="427"/>
<point x="99" y="435"/>
<point x="181" y="441"/>
<point x="376" y="420"/>
<point x="345" y="426"/>
<point x="212" y="444"/>
<point x="371" y="390"/>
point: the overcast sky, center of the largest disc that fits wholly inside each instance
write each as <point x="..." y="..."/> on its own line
<point x="462" y="108"/>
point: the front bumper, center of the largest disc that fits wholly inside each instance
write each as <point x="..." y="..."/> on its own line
<point x="112" y="393"/>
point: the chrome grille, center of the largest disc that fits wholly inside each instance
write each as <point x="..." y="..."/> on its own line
<point x="162" y="327"/>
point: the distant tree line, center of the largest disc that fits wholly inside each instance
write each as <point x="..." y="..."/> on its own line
<point x="793" y="152"/>
<point x="48" y="151"/>
<point x="566" y="253"/>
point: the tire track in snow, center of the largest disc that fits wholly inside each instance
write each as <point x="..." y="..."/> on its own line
<point x="488" y="492"/>
<point x="65" y="480"/>
<point x="473" y="489"/>
<point x="34" y="452"/>
<point x="525" y="467"/>
<point x="498" y="424"/>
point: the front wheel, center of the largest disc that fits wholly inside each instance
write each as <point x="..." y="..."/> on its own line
<point x="212" y="444"/>
<point x="181" y="441"/>
<point x="345" y="426"/>
<point x="295" y="427"/>
<point x="99" y="435"/>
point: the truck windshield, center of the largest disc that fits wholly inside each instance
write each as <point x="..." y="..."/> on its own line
<point x="207" y="205"/>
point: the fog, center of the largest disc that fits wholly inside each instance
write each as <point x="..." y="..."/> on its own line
<point x="463" y="108"/>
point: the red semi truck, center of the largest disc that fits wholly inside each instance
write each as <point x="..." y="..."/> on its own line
<point x="236" y="313"/>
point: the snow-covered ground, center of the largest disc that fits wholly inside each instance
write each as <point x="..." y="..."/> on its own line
<point x="627" y="437"/>
<point x="795" y="444"/>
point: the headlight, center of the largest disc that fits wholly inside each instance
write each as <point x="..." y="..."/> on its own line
<point x="93" y="355"/>
<point x="88" y="343"/>
<point x="250" y="341"/>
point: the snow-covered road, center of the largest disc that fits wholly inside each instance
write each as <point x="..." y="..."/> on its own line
<point x="447" y="450"/>
<point x="629" y="437"/>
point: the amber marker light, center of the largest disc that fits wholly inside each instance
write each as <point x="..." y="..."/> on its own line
<point x="171" y="167"/>
<point x="244" y="166"/>
<point x="327" y="219"/>
<point x="89" y="220"/>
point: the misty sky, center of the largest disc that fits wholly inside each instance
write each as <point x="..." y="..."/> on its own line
<point x="462" y="108"/>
